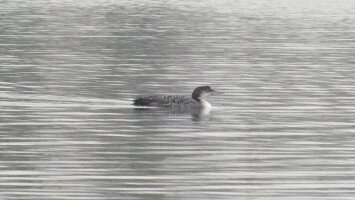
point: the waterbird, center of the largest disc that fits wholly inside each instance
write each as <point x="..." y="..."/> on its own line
<point x="178" y="102"/>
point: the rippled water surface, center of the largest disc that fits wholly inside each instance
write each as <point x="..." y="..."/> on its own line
<point x="282" y="126"/>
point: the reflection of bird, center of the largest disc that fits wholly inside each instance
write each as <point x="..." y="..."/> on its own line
<point x="177" y="102"/>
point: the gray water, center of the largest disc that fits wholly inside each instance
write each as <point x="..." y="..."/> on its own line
<point x="282" y="126"/>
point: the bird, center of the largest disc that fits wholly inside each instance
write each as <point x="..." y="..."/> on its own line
<point x="178" y="102"/>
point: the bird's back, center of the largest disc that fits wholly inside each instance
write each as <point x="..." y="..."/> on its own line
<point x="165" y="101"/>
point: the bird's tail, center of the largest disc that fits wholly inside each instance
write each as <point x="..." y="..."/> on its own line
<point x="140" y="101"/>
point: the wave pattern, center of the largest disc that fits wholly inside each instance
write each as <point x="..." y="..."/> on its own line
<point x="281" y="128"/>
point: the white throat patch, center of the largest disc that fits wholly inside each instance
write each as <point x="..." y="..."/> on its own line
<point x="205" y="104"/>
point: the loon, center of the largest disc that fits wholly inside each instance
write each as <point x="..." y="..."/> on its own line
<point x="196" y="101"/>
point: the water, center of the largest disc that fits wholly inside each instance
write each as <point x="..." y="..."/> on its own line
<point x="281" y="128"/>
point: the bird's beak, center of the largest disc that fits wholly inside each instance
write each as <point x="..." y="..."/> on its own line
<point x="214" y="92"/>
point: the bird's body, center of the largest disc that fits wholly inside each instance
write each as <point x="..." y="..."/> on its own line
<point x="165" y="101"/>
<point x="177" y="101"/>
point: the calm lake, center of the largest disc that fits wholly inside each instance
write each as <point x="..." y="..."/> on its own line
<point x="282" y="125"/>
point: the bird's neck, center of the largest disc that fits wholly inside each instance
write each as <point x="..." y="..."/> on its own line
<point x="204" y="104"/>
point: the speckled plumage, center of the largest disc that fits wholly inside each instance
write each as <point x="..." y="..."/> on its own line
<point x="177" y="101"/>
<point x="166" y="101"/>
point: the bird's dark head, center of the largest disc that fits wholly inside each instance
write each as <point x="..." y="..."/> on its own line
<point x="201" y="92"/>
